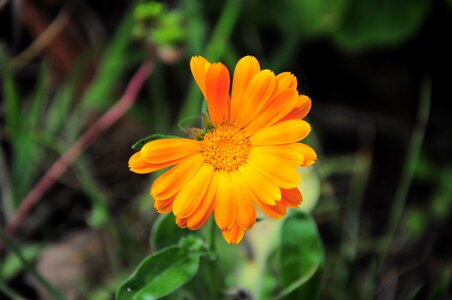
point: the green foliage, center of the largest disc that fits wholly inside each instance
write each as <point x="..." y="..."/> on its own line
<point x="164" y="272"/>
<point x="416" y="222"/>
<point x="157" y="136"/>
<point x="157" y="26"/>
<point x="11" y="265"/>
<point x="166" y="233"/>
<point x="294" y="268"/>
<point x="308" y="18"/>
<point x="302" y="257"/>
<point x="371" y="23"/>
<point x="20" y="123"/>
<point x="355" y="25"/>
<point x="196" y="26"/>
<point x="112" y="66"/>
<point x="26" y="264"/>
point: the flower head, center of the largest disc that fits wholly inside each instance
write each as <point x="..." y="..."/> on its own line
<point x="245" y="158"/>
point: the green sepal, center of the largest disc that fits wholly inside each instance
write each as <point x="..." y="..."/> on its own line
<point x="138" y="145"/>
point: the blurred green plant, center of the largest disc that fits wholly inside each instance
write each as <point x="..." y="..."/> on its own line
<point x="354" y="25"/>
<point x="165" y="271"/>
<point x="158" y="26"/>
<point x="292" y="267"/>
<point x="44" y="122"/>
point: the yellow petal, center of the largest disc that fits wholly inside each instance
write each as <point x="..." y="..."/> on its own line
<point x="278" y="171"/>
<point x="278" y="210"/>
<point x="286" y="80"/>
<point x="275" y="109"/>
<point x="245" y="70"/>
<point x="225" y="211"/>
<point x="164" y="206"/>
<point x="202" y="214"/>
<point x="246" y="213"/>
<point x="199" y="66"/>
<point x="217" y="93"/>
<point x="255" y="97"/>
<point x="286" y="132"/>
<point x="309" y="154"/>
<point x="260" y="185"/>
<point x="170" y="183"/>
<point x="301" y="110"/>
<point x="233" y="235"/>
<point x="181" y="222"/>
<point x="138" y="165"/>
<point x="291" y="153"/>
<point x="167" y="150"/>
<point x="190" y="196"/>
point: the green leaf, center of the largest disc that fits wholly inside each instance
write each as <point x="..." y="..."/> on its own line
<point x="11" y="95"/>
<point x="415" y="293"/>
<point x="302" y="257"/>
<point x="112" y="66"/>
<point x="138" y="145"/>
<point x="166" y="233"/>
<point x="164" y="272"/>
<point x="306" y="18"/>
<point x="380" y="23"/>
<point x="39" y="95"/>
<point x="12" y="265"/>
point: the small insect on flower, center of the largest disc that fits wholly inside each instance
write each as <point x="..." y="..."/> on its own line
<point x="246" y="156"/>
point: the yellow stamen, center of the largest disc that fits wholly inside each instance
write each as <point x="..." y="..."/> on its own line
<point x="226" y="147"/>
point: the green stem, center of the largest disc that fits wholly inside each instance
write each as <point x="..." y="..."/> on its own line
<point x="414" y="151"/>
<point x="214" y="51"/>
<point x="56" y="294"/>
<point x="212" y="264"/>
<point x="212" y="232"/>
<point x="350" y="230"/>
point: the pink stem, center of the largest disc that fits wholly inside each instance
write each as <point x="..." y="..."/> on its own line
<point x="61" y="165"/>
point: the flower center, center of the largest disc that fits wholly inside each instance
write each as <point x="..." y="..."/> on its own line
<point x="226" y="147"/>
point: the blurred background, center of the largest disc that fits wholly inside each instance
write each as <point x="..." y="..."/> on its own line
<point x="381" y="191"/>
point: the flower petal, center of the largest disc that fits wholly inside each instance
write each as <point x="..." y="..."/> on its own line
<point x="260" y="185"/>
<point x="140" y="166"/>
<point x="233" y="235"/>
<point x="301" y="110"/>
<point x="286" y="80"/>
<point x="291" y="197"/>
<point x="275" y="109"/>
<point x="286" y="132"/>
<point x="170" y="183"/>
<point x="246" y="213"/>
<point x="309" y="154"/>
<point x="256" y="95"/>
<point x="164" y="206"/>
<point x="181" y="222"/>
<point x="190" y="196"/>
<point x="167" y="150"/>
<point x="278" y="210"/>
<point x="199" y="66"/>
<point x="217" y="93"/>
<point x="202" y="214"/>
<point x="278" y="171"/>
<point x="225" y="211"/>
<point x="245" y="70"/>
<point x="291" y="153"/>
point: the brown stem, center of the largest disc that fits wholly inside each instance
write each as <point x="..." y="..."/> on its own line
<point x="61" y="165"/>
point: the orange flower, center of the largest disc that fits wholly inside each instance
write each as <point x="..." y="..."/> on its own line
<point x="247" y="155"/>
